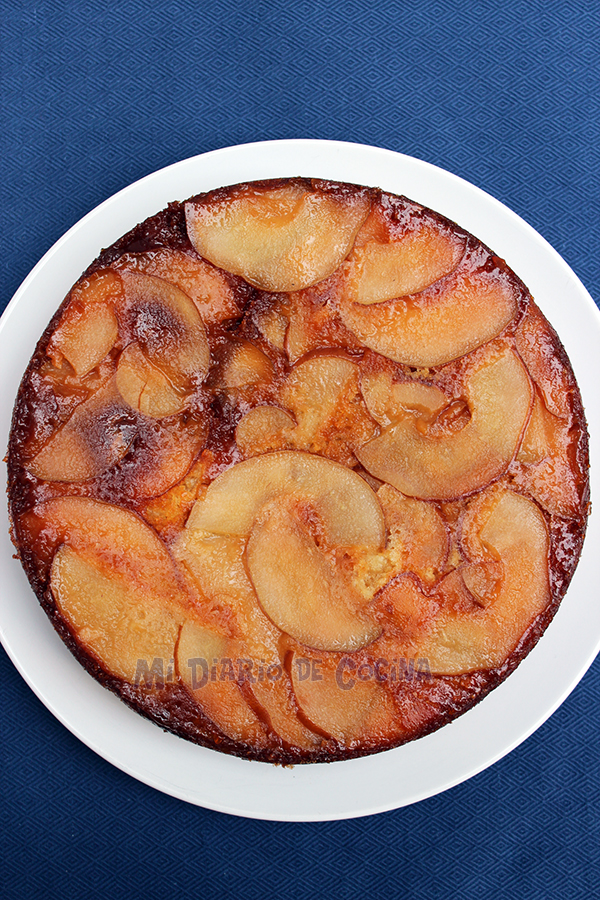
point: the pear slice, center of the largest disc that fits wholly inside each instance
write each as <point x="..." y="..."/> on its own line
<point x="170" y="509"/>
<point x="114" y="538"/>
<point x="203" y="656"/>
<point x="438" y="325"/>
<point x="263" y="429"/>
<point x="277" y="700"/>
<point x="388" y="401"/>
<point x="277" y="238"/>
<point x="482" y="580"/>
<point x="168" y="327"/>
<point x="280" y="551"/>
<point x="447" y="464"/>
<point x="273" y="325"/>
<point x="216" y="564"/>
<point x="95" y="437"/>
<point x="314" y="389"/>
<point x="324" y="396"/>
<point x="416" y="532"/>
<point x="127" y="628"/>
<point x="544" y="461"/>
<point x="344" y="707"/>
<point x="208" y="288"/>
<point x="144" y="387"/>
<point x="299" y="588"/>
<point x="377" y="272"/>
<point x="103" y="286"/>
<point x="511" y="529"/>
<point x="537" y="343"/>
<point x="538" y="438"/>
<point x="247" y="365"/>
<point x="347" y="506"/>
<point x="164" y="452"/>
<point x="85" y="336"/>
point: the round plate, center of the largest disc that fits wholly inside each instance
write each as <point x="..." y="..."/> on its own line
<point x="318" y="791"/>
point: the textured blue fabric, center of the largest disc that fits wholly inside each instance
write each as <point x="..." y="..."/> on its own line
<point x="96" y="95"/>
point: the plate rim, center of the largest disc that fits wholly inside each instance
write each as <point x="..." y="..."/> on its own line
<point x="329" y="156"/>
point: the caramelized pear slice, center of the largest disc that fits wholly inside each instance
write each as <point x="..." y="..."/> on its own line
<point x="144" y="387"/>
<point x="509" y="528"/>
<point x="247" y="365"/>
<point x="446" y="464"/>
<point x="330" y="418"/>
<point x="118" y="621"/>
<point x="540" y="349"/>
<point x="545" y="469"/>
<point x="438" y="325"/>
<point x="199" y="650"/>
<point x="538" y="437"/>
<point x="103" y="286"/>
<point x="232" y="506"/>
<point x="85" y="336"/>
<point x="114" y="538"/>
<point x="389" y="401"/>
<point x="482" y="580"/>
<point x="263" y="429"/>
<point x="346" y="708"/>
<point x="273" y="325"/>
<point x="277" y="238"/>
<point x="94" y="438"/>
<point x="208" y="287"/>
<point x="168" y="327"/>
<point x="216" y="564"/>
<point x="348" y="508"/>
<point x="276" y="698"/>
<point x="299" y="588"/>
<point x="416" y="532"/>
<point x="378" y="272"/>
<point x="314" y="390"/>
<point x="164" y="452"/>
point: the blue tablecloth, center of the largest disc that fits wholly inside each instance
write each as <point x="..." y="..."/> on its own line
<point x="96" y="95"/>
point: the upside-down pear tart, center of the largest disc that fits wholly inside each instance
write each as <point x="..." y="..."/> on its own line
<point x="299" y="470"/>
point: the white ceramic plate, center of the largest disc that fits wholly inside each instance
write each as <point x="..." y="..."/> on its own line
<point x="357" y="787"/>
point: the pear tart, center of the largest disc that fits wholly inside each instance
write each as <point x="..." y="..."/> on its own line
<point x="299" y="470"/>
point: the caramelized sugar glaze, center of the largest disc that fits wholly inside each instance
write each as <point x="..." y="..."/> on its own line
<point x="299" y="470"/>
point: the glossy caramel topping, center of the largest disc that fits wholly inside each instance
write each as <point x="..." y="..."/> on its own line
<point x="305" y="470"/>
